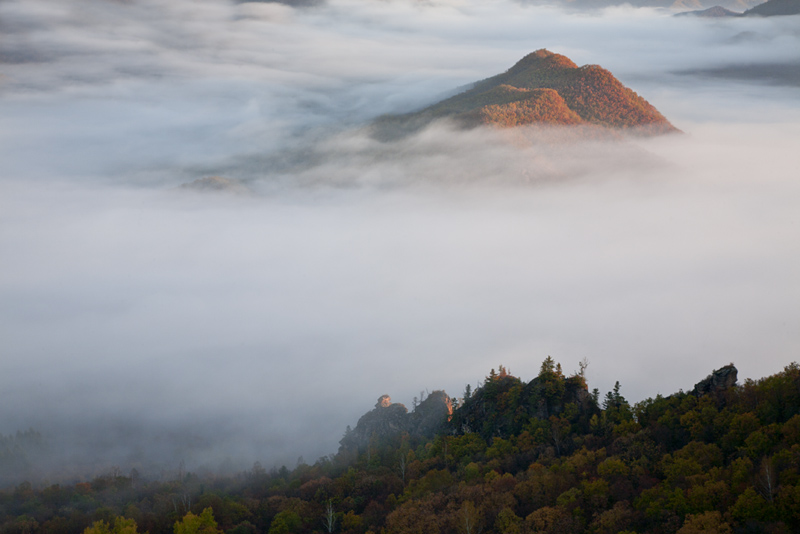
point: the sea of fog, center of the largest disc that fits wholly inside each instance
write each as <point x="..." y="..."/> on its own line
<point x="143" y="323"/>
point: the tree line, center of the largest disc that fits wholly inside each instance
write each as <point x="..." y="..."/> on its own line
<point x="515" y="457"/>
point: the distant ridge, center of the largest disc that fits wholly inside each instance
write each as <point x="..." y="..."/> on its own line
<point x="712" y="12"/>
<point x="770" y="8"/>
<point x="773" y="8"/>
<point x="543" y="88"/>
<point x="215" y="184"/>
<point x="672" y="5"/>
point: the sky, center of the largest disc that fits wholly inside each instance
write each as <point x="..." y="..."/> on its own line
<point x="144" y="323"/>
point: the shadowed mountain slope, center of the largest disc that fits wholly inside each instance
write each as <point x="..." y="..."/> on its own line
<point x="543" y="88"/>
<point x="712" y="12"/>
<point x="773" y="8"/>
<point x="679" y="5"/>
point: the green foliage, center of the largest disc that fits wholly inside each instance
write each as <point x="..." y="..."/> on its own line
<point x="547" y="409"/>
<point x="245" y="527"/>
<point x="508" y="522"/>
<point x="197" y="524"/>
<point x="120" y="526"/>
<point x="285" y="522"/>
<point x="708" y="522"/>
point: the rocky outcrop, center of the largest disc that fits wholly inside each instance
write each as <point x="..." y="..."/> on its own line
<point x="504" y="404"/>
<point x="544" y="405"/>
<point x="717" y="381"/>
<point x="430" y="414"/>
<point x="388" y="420"/>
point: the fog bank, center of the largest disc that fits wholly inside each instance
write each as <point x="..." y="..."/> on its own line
<point x="143" y="324"/>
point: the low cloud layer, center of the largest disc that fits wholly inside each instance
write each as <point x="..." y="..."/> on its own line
<point x="153" y="324"/>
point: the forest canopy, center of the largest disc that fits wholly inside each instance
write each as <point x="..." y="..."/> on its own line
<point x="544" y="456"/>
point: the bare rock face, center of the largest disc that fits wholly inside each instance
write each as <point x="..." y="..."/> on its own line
<point x="386" y="419"/>
<point x="431" y="414"/>
<point x="390" y="419"/>
<point x="384" y="401"/>
<point x="717" y="381"/>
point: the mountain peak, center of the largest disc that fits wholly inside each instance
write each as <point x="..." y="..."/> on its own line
<point x="543" y="59"/>
<point x="541" y="88"/>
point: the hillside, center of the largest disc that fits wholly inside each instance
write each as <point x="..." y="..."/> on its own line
<point x="543" y="88"/>
<point x="712" y="12"/>
<point x="511" y="457"/>
<point x="681" y="5"/>
<point x="774" y="8"/>
<point x="770" y="8"/>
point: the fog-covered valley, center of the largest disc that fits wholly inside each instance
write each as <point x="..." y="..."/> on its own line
<point x="145" y="323"/>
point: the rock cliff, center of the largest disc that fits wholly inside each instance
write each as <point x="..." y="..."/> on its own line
<point x="388" y="420"/>
<point x="505" y="404"/>
<point x="717" y="381"/>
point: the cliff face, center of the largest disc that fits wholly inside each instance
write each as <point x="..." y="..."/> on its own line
<point x="429" y="416"/>
<point x="388" y="420"/>
<point x="717" y="381"/>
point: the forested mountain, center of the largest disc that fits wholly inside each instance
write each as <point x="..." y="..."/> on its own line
<point x="712" y="12"/>
<point x="543" y="456"/>
<point x="773" y="8"/>
<point x="543" y="88"/>
<point x="770" y="8"/>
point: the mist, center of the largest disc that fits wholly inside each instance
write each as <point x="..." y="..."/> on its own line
<point x="144" y="323"/>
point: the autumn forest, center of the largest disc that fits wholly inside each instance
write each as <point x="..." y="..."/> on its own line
<point x="544" y="456"/>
